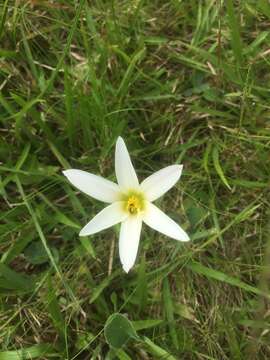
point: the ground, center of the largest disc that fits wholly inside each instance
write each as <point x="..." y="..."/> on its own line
<point x="183" y="82"/>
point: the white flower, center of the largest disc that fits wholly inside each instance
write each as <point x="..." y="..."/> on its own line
<point x="130" y="202"/>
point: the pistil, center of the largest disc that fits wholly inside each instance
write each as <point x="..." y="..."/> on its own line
<point x="134" y="203"/>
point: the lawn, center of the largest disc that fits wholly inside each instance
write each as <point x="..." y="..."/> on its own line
<point x="182" y="82"/>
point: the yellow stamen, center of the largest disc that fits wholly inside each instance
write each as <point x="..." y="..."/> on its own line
<point x="133" y="201"/>
<point x="133" y="205"/>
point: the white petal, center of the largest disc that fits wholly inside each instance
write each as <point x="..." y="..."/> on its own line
<point x="161" y="181"/>
<point x="93" y="185"/>
<point x="125" y="173"/>
<point x="158" y="220"/>
<point x="129" y="241"/>
<point x="111" y="215"/>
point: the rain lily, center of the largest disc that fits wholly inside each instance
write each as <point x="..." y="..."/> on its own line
<point x="130" y="202"/>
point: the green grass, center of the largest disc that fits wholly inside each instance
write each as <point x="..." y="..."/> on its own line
<point x="182" y="82"/>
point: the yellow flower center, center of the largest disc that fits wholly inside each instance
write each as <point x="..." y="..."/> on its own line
<point x="133" y="205"/>
<point x="134" y="202"/>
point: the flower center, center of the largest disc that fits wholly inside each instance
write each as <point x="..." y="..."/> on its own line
<point x="133" y="205"/>
<point x="134" y="202"/>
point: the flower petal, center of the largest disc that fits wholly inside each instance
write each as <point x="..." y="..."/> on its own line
<point x="158" y="220"/>
<point x="111" y="215"/>
<point x="125" y="173"/>
<point x="93" y="185"/>
<point x="129" y="241"/>
<point x="161" y="181"/>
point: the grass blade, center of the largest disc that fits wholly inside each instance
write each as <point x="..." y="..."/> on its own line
<point x="125" y="83"/>
<point x="220" y="276"/>
<point x="168" y="306"/>
<point x="218" y="167"/>
<point x="14" y="280"/>
<point x="236" y="41"/>
<point x="32" y="352"/>
<point x="156" y="350"/>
